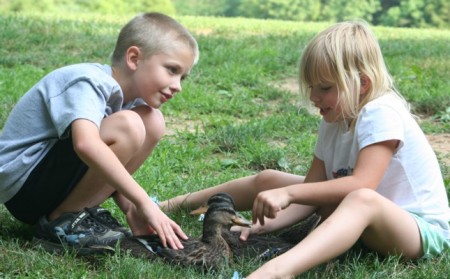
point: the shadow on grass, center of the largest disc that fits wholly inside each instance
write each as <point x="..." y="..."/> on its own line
<point x="12" y="229"/>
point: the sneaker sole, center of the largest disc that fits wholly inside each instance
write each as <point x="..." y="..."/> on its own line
<point x="81" y="251"/>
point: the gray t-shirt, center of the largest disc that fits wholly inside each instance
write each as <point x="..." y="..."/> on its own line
<point x="44" y="114"/>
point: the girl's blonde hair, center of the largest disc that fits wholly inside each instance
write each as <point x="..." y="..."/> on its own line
<point x="153" y="33"/>
<point x="342" y="54"/>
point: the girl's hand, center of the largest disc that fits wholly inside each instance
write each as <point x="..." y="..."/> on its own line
<point x="269" y="203"/>
<point x="245" y="232"/>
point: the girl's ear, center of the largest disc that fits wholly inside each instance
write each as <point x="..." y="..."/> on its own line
<point x="365" y="84"/>
<point x="132" y="57"/>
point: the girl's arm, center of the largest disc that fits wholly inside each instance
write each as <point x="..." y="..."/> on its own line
<point x="294" y="212"/>
<point x="370" y="167"/>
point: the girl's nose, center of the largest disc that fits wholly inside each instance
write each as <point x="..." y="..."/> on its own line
<point x="313" y="97"/>
<point x="176" y="85"/>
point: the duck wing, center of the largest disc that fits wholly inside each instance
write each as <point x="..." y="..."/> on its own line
<point x="195" y="253"/>
<point x="299" y="231"/>
<point x="265" y="247"/>
<point x="257" y="246"/>
<point x="145" y="246"/>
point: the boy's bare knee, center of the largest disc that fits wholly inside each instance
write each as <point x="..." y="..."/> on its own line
<point x="124" y="127"/>
<point x="154" y="123"/>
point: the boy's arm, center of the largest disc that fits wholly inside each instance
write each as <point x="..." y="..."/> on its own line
<point x="101" y="159"/>
<point x="128" y="208"/>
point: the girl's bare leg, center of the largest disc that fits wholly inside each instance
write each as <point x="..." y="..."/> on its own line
<point x="243" y="190"/>
<point x="382" y="226"/>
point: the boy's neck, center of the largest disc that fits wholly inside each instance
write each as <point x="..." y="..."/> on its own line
<point x="118" y="75"/>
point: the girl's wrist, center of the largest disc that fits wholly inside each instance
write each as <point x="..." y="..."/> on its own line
<point x="258" y="229"/>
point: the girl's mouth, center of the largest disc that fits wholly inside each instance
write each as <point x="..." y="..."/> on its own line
<point x="324" y="111"/>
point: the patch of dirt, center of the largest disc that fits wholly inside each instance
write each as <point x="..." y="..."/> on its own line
<point x="441" y="145"/>
<point x="174" y="125"/>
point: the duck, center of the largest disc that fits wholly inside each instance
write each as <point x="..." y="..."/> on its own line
<point x="218" y="245"/>
<point x="210" y="251"/>
<point x="268" y="246"/>
<point x="262" y="247"/>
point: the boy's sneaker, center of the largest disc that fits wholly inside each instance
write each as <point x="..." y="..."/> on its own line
<point x="105" y="218"/>
<point x="75" y="231"/>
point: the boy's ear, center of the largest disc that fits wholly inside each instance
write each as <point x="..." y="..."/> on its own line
<point x="365" y="84"/>
<point x="132" y="57"/>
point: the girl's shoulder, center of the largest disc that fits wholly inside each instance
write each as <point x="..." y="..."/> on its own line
<point x="387" y="104"/>
<point x="388" y="100"/>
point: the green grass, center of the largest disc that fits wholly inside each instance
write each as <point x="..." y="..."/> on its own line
<point x="231" y="120"/>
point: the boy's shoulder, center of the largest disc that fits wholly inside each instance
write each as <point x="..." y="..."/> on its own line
<point x="93" y="73"/>
<point x="86" y="69"/>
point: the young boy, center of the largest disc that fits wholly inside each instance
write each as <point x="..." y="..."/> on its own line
<point x="75" y="138"/>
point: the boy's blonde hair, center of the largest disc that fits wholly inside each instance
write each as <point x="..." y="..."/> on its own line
<point x="153" y="33"/>
<point x="342" y="54"/>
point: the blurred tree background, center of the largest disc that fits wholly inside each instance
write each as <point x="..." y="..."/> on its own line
<point x="399" y="13"/>
<point x="119" y="7"/>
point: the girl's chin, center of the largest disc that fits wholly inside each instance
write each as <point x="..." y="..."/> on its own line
<point x="331" y="119"/>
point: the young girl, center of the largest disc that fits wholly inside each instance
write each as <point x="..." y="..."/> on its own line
<point x="374" y="176"/>
<point x="75" y="138"/>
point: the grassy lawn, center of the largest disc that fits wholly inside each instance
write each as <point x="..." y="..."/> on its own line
<point x="234" y="117"/>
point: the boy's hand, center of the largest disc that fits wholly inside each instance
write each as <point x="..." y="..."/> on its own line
<point x="269" y="203"/>
<point x="152" y="220"/>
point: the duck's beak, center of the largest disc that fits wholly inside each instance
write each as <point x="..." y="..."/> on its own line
<point x="201" y="210"/>
<point x="239" y="220"/>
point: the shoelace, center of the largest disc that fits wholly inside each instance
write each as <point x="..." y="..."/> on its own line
<point x="108" y="219"/>
<point x="92" y="223"/>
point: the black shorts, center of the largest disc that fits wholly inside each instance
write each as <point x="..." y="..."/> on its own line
<point x="49" y="183"/>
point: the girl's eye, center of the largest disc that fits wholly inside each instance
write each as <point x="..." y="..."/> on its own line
<point x="325" y="88"/>
<point x="172" y="70"/>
